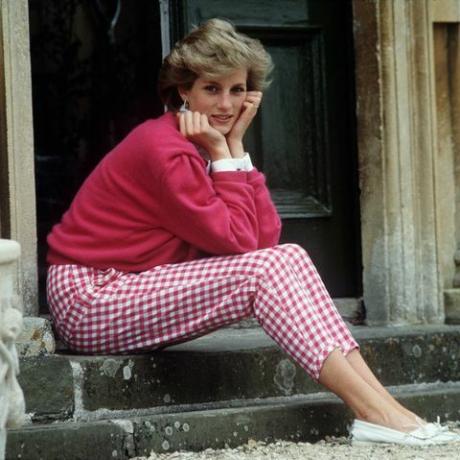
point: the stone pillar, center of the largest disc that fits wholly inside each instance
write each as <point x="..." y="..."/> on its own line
<point x="12" y="407"/>
<point x="396" y="143"/>
<point x="17" y="184"/>
<point x="446" y="19"/>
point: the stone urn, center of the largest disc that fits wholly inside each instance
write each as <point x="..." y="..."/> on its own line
<point x="12" y="407"/>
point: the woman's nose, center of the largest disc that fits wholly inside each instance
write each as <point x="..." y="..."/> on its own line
<point x="225" y="101"/>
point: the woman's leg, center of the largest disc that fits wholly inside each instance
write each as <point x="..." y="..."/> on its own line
<point x="357" y="362"/>
<point x="308" y="276"/>
<point x="367" y="403"/>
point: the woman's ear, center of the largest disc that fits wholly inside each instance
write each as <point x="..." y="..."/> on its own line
<point x="183" y="93"/>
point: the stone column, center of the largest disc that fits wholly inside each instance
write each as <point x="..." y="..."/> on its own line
<point x="396" y="143"/>
<point x="12" y="407"/>
<point x="17" y="183"/>
<point x="446" y="18"/>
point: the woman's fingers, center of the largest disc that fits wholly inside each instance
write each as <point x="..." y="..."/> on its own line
<point x="204" y="123"/>
<point x="196" y="120"/>
<point x="252" y="103"/>
<point x="249" y="111"/>
<point x="192" y="123"/>
<point x="254" y="94"/>
<point x="182" y="127"/>
<point x="189" y="123"/>
<point x="195" y="126"/>
<point x="254" y="97"/>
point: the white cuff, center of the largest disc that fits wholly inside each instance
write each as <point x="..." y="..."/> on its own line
<point x="232" y="164"/>
<point x="247" y="162"/>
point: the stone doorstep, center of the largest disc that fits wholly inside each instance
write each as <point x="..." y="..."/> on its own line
<point x="297" y="418"/>
<point x="219" y="368"/>
<point x="36" y="337"/>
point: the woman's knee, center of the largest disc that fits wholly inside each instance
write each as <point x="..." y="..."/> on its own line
<point x="292" y="250"/>
<point x="277" y="258"/>
<point x="265" y="259"/>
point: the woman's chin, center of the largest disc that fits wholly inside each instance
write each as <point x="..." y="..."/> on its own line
<point x="222" y="129"/>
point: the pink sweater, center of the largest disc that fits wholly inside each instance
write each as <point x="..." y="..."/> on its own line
<point x="150" y="201"/>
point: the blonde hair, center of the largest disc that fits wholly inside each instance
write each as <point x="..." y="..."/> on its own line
<point x="211" y="50"/>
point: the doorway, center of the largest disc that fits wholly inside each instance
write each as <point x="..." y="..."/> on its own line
<point x="94" y="70"/>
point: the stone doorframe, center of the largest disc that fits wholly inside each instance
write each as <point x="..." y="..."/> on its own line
<point x="407" y="164"/>
<point x="17" y="180"/>
<point x="407" y="186"/>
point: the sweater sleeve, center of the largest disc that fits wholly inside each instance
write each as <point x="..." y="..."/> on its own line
<point x="267" y="215"/>
<point x="216" y="213"/>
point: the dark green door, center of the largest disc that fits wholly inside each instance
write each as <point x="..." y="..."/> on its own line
<point x="303" y="137"/>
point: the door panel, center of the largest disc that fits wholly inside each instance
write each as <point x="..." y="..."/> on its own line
<point x="303" y="136"/>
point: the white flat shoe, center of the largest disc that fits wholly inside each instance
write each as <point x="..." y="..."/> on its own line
<point x="429" y="434"/>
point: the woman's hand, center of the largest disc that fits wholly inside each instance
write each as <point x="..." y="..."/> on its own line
<point x="248" y="112"/>
<point x="195" y="127"/>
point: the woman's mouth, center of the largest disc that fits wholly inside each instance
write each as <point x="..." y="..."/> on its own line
<point x="223" y="119"/>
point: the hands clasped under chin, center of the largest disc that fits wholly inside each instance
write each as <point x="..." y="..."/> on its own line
<point x="197" y="127"/>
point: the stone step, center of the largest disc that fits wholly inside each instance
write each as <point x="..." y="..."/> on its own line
<point x="228" y="365"/>
<point x="298" y="418"/>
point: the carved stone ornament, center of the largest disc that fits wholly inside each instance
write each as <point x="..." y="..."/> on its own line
<point x="12" y="406"/>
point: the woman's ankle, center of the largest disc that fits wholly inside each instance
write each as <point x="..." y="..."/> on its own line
<point x="418" y="420"/>
<point x="390" y="418"/>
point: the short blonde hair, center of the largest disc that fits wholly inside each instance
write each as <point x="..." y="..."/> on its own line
<point x="211" y="50"/>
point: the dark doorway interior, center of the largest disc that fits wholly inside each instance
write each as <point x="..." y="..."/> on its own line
<point x="94" y="73"/>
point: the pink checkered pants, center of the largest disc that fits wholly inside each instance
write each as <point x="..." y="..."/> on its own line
<point x="108" y="311"/>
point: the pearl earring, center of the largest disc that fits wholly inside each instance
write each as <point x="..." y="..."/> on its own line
<point x="184" y="107"/>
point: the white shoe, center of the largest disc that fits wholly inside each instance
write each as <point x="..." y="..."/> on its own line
<point x="429" y="434"/>
<point x="438" y="426"/>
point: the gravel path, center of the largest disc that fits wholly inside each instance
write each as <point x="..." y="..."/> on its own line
<point x="330" y="449"/>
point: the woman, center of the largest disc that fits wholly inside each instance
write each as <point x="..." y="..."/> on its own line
<point x="174" y="235"/>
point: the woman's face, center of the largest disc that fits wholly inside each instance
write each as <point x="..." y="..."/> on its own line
<point x="220" y="98"/>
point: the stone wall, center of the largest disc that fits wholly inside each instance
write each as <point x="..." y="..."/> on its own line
<point x="17" y="180"/>
<point x="406" y="155"/>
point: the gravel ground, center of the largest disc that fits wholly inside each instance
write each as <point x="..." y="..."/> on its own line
<point x="329" y="449"/>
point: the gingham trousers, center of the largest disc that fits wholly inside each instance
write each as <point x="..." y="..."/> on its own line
<point x="109" y="311"/>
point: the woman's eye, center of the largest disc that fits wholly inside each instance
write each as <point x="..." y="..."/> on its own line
<point x="211" y="89"/>
<point x="239" y="89"/>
